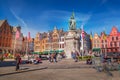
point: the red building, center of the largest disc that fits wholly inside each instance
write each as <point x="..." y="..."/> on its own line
<point x="5" y="37"/>
<point x="113" y="41"/>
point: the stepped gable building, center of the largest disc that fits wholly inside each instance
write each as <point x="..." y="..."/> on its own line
<point x="51" y="41"/>
<point x="103" y="41"/>
<point x="96" y="43"/>
<point x="61" y="41"/>
<point x="5" y="37"/>
<point x="107" y="43"/>
<point x="113" y="40"/>
<point x="37" y="43"/>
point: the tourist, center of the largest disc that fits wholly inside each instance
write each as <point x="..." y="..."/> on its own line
<point x="18" y="61"/>
<point x="55" y="57"/>
<point x="72" y="54"/>
<point x="77" y="56"/>
<point x="49" y="57"/>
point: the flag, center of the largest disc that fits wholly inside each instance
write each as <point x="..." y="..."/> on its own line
<point x="104" y="37"/>
<point x="82" y="33"/>
<point x="17" y="34"/>
<point x="28" y="36"/>
<point x="91" y="36"/>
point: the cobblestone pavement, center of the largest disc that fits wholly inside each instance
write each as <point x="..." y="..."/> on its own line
<point x="62" y="70"/>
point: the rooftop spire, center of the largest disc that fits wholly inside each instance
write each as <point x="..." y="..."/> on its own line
<point x="55" y="28"/>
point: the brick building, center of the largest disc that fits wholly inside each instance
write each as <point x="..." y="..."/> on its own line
<point x="113" y="40"/>
<point x="5" y="37"/>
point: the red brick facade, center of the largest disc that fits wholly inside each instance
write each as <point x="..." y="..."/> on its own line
<point x="113" y="40"/>
<point x="5" y="36"/>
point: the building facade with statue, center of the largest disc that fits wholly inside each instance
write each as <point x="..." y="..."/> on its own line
<point x="74" y="41"/>
<point x="72" y="38"/>
<point x="61" y="41"/>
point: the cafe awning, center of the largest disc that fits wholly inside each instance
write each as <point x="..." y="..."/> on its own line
<point x="36" y="52"/>
<point x="45" y="52"/>
<point x="59" y="51"/>
<point x="96" y="49"/>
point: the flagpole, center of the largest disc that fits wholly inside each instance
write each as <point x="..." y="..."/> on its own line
<point x="82" y="41"/>
<point x="82" y="48"/>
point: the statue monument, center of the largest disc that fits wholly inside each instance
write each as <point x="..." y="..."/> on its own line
<point x="72" y="22"/>
<point x="71" y="39"/>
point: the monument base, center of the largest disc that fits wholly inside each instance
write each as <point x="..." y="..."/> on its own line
<point x="72" y="44"/>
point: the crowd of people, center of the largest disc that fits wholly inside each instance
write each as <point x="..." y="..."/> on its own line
<point x="55" y="57"/>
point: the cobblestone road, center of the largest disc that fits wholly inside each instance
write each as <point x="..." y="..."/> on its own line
<point x="62" y="70"/>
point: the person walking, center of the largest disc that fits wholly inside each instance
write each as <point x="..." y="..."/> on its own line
<point x="18" y="61"/>
<point x="49" y="57"/>
<point x="77" y="56"/>
<point x="72" y="54"/>
<point x="55" y="57"/>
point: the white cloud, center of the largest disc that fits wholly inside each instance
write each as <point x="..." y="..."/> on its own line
<point x="18" y="18"/>
<point x="24" y="26"/>
<point x="62" y="16"/>
<point x="43" y="22"/>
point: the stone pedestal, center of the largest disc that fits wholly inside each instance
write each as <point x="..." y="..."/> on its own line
<point x="72" y="43"/>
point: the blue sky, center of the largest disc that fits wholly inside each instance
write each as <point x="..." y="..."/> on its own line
<point x="42" y="15"/>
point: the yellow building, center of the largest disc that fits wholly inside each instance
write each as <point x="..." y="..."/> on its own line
<point x="96" y="42"/>
<point x="55" y="39"/>
<point x="46" y="42"/>
<point x="37" y="43"/>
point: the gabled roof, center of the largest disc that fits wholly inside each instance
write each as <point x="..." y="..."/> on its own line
<point x="1" y="22"/>
<point x="114" y="31"/>
<point x="119" y="33"/>
<point x="96" y="35"/>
